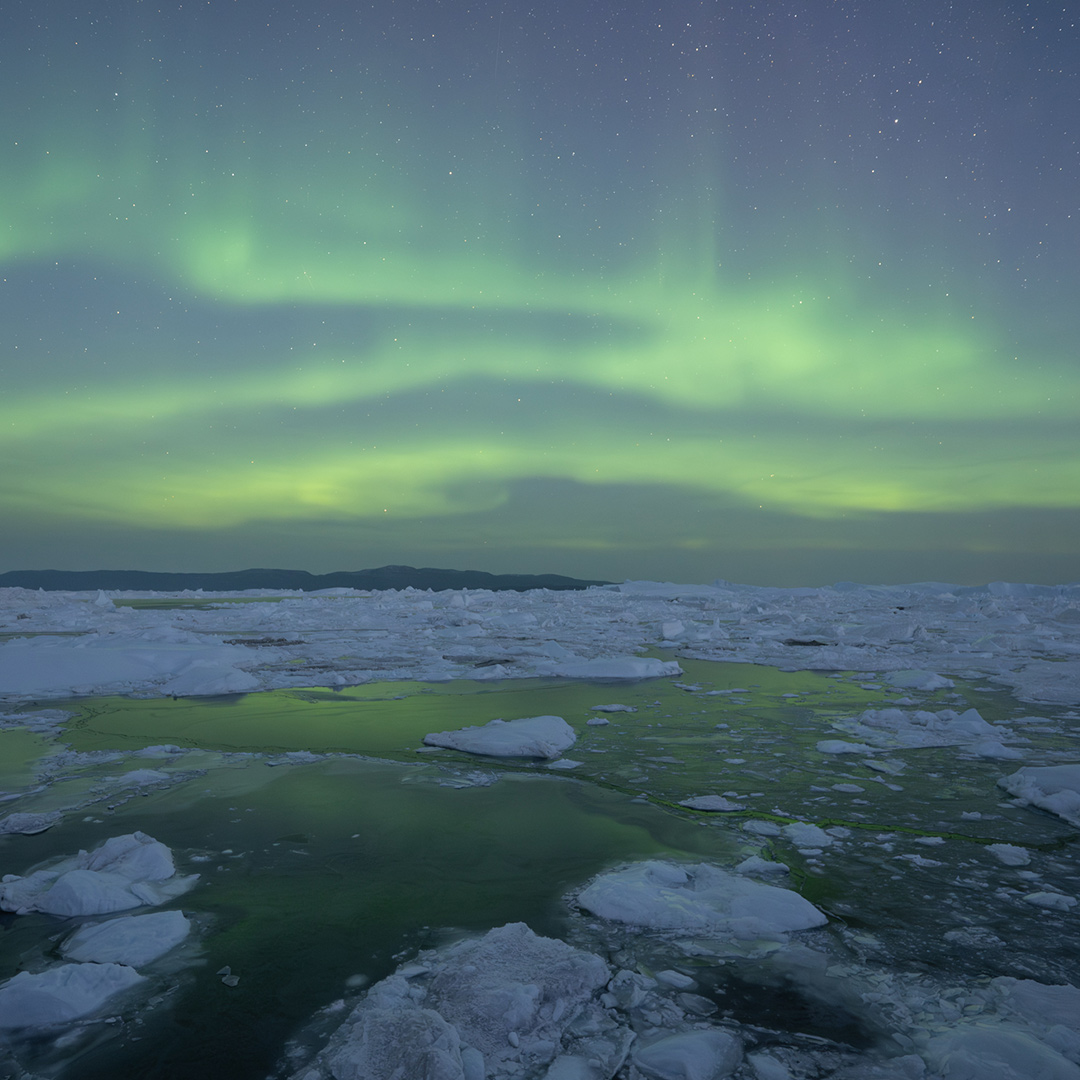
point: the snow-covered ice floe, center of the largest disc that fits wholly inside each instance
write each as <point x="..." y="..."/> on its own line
<point x="1052" y="787"/>
<point x="135" y="940"/>
<point x="502" y="1005"/>
<point x="62" y="994"/>
<point x="531" y="736"/>
<point x="123" y="873"/>
<point x="667" y="896"/>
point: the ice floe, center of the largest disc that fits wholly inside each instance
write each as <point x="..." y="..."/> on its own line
<point x="124" y="872"/>
<point x="61" y="994"/>
<point x="531" y="736"/>
<point x="134" y="940"/>
<point x="1051" y="787"/>
<point x="668" y="896"/>
<point x="503" y="1005"/>
<point x="713" y="803"/>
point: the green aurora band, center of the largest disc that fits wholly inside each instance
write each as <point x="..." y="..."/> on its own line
<point x="818" y="390"/>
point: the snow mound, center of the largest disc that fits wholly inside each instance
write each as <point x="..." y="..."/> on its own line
<point x="134" y="940"/>
<point x="665" y="896"/>
<point x="503" y="1005"/>
<point x="125" y="872"/>
<point x="61" y="994"/>
<point x="532" y="736"/>
<point x="1051" y="787"/>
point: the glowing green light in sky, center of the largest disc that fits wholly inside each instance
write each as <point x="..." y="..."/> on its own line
<point x="764" y="391"/>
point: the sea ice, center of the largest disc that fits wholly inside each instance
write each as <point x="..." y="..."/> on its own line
<point x="620" y="667"/>
<point x="804" y="835"/>
<point x="532" y="736"/>
<point x="61" y="994"/>
<point x="715" y="803"/>
<point x="500" y="1006"/>
<point x="1051" y="787"/>
<point x="887" y="729"/>
<point x="1041" y="1004"/>
<point x="667" y="896"/>
<point x="1009" y="854"/>
<point x="690" y="1055"/>
<point x="133" y="940"/>
<point x="29" y="824"/>
<point x="840" y="746"/>
<point x="996" y="1052"/>
<point x="125" y="872"/>
<point x="918" y="680"/>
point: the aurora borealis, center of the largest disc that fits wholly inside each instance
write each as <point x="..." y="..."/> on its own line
<point x="777" y="292"/>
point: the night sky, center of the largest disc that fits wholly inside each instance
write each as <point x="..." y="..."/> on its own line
<point x="778" y="292"/>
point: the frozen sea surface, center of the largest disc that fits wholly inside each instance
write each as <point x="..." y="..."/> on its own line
<point x="823" y="832"/>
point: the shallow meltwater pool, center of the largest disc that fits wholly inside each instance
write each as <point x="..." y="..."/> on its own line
<point x="332" y="846"/>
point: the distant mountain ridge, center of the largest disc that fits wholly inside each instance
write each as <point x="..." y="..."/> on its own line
<point x="384" y="577"/>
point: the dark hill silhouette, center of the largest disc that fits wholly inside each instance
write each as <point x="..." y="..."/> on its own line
<point x="384" y="577"/>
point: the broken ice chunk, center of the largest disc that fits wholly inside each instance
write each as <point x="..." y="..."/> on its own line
<point x="124" y="872"/>
<point x="131" y="939"/>
<point x="620" y="667"/>
<point x="918" y="680"/>
<point x="670" y="897"/>
<point x="532" y="736"/>
<point x="713" y="803"/>
<point x="29" y="824"/>
<point x="804" y="835"/>
<point x="1052" y="901"/>
<point x="1053" y="787"/>
<point x="499" y="1006"/>
<point x="710" y="1053"/>
<point x="1009" y="854"/>
<point x="840" y="746"/>
<point x="61" y="994"/>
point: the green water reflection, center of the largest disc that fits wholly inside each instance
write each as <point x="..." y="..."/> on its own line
<point x="312" y="874"/>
